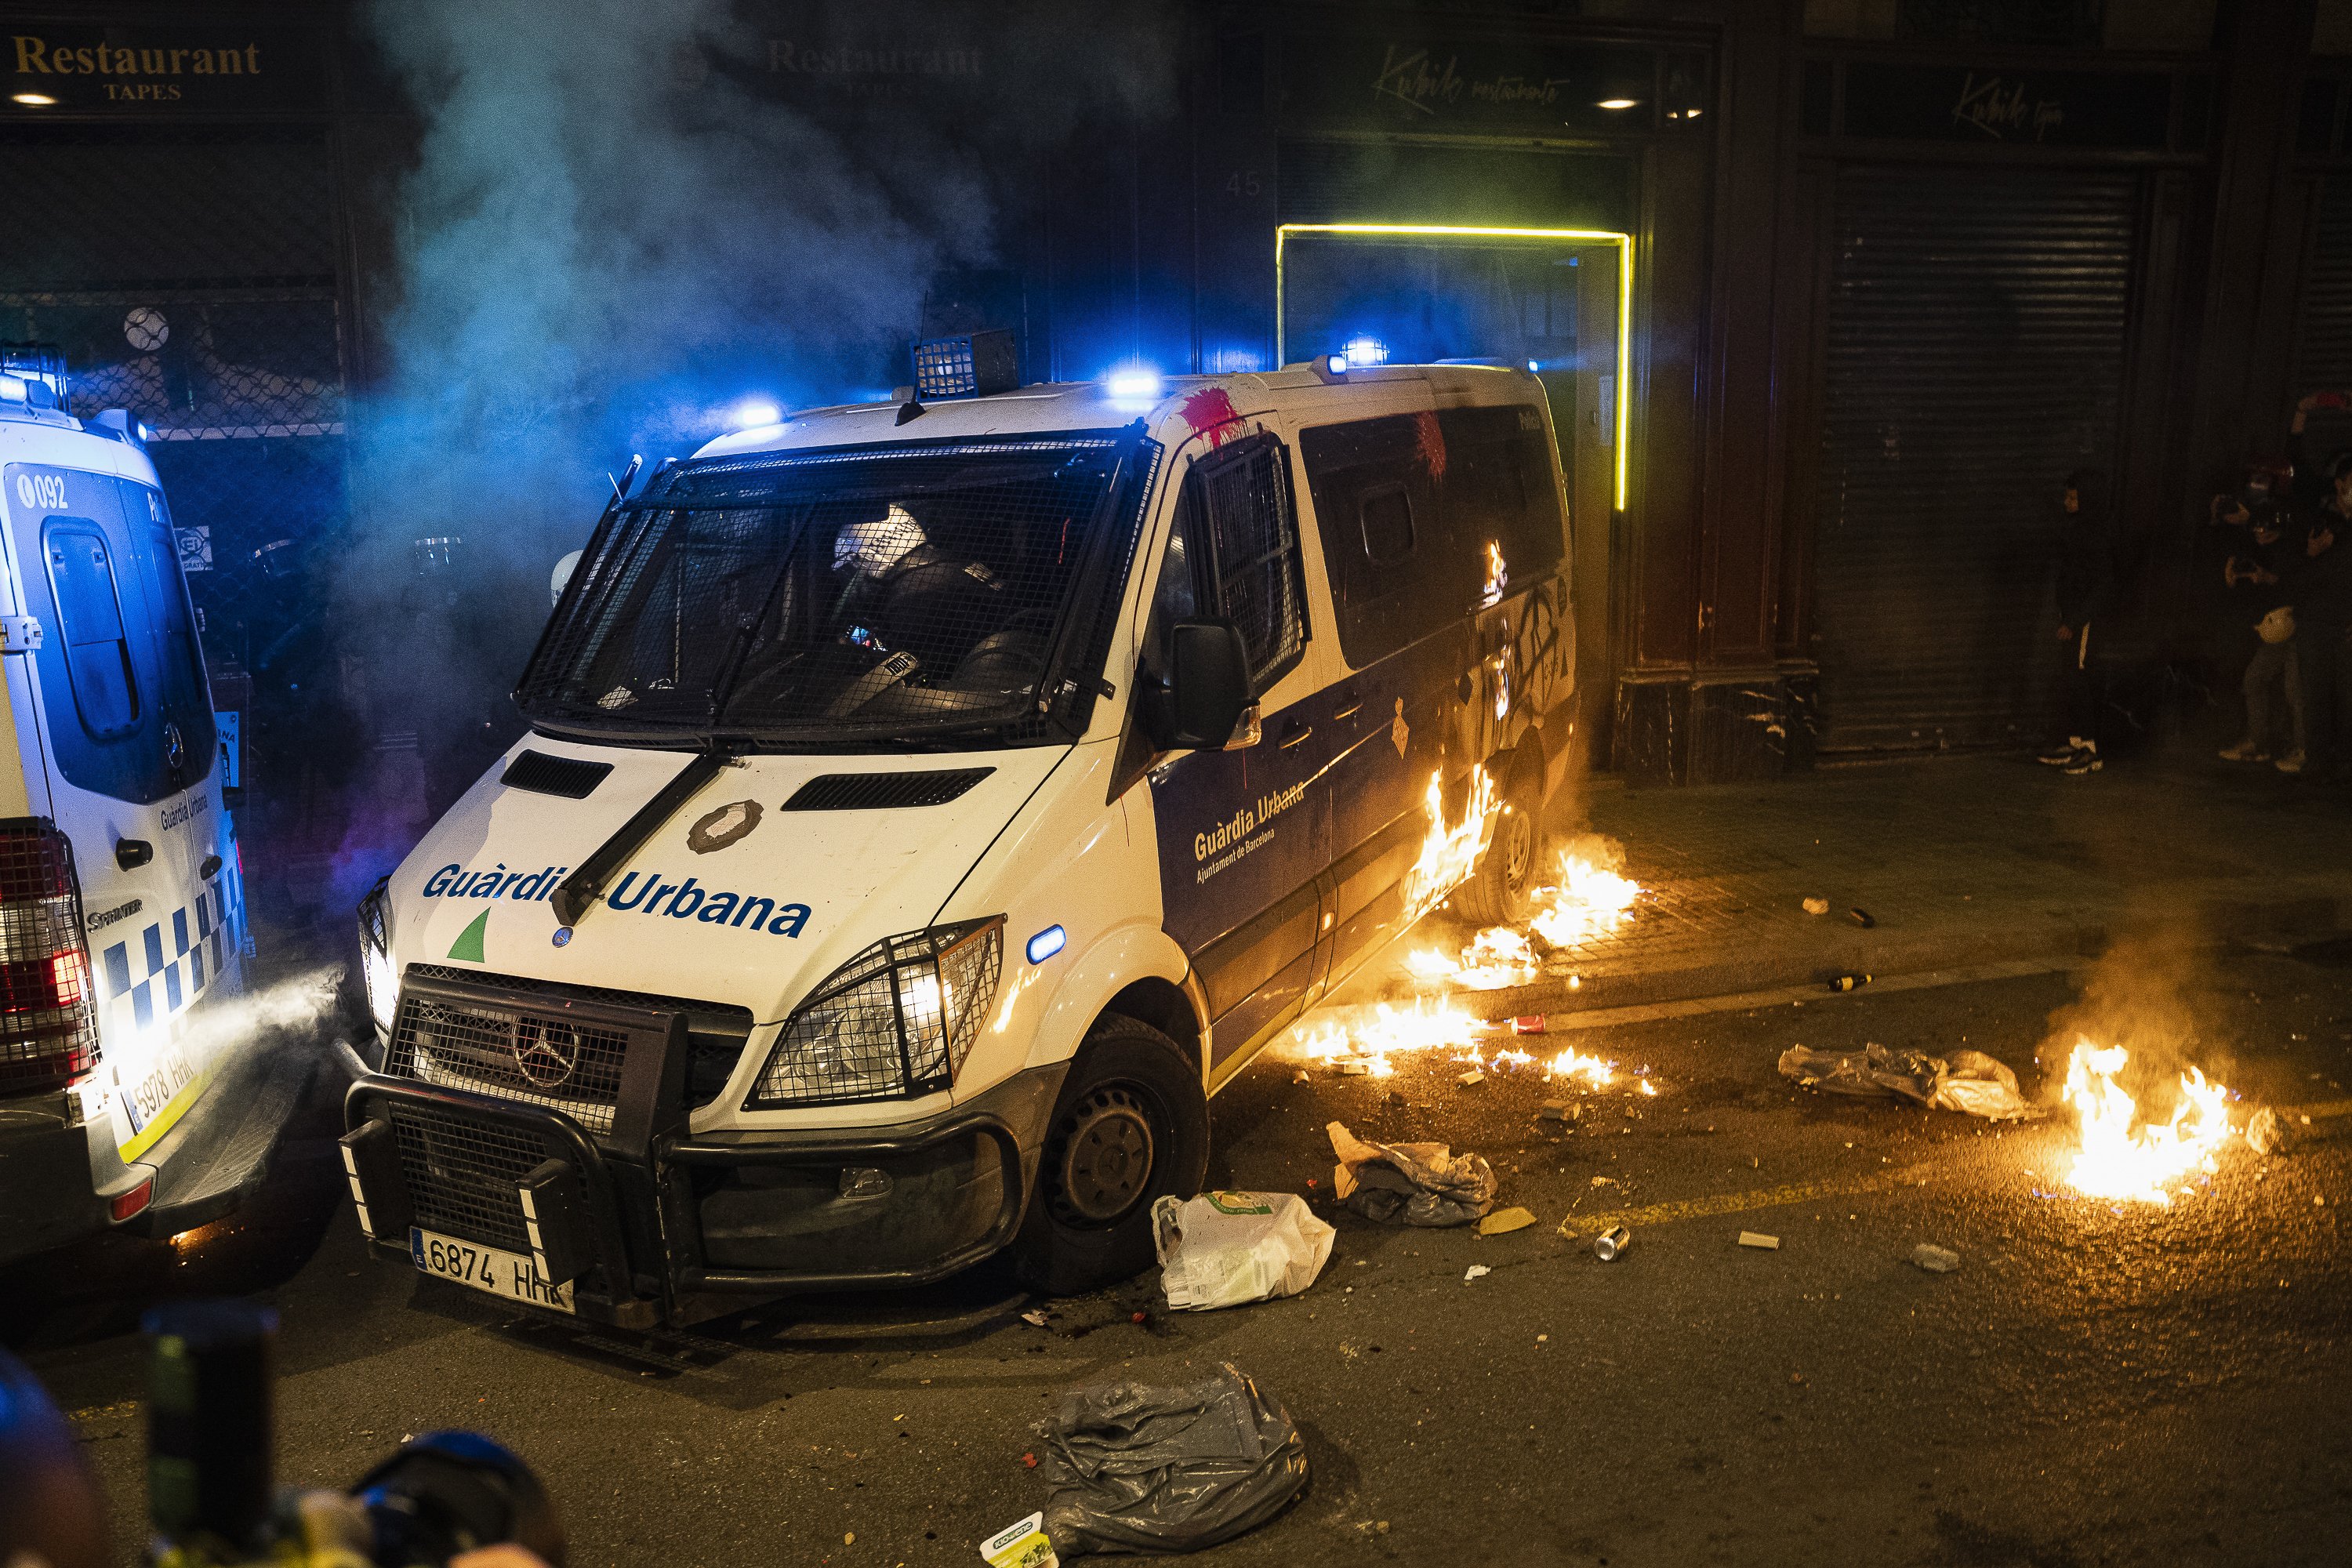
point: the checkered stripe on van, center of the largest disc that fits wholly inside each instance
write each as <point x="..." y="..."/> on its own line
<point x="174" y="961"/>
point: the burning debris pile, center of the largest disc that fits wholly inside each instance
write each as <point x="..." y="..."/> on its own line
<point x="2123" y="1156"/>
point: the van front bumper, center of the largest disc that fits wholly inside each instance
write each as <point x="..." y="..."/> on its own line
<point x="685" y="1228"/>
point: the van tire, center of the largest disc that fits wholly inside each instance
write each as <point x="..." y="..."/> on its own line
<point x="1500" y="889"/>
<point x="1131" y="1089"/>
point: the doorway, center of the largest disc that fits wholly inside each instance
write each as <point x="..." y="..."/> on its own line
<point x="1552" y="301"/>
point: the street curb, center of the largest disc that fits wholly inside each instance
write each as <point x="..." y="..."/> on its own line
<point x="1885" y="954"/>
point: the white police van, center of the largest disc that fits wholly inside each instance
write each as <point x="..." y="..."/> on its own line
<point x="124" y="1097"/>
<point x="927" y="807"/>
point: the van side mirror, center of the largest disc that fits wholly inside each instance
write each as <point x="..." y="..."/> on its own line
<point x="1206" y="703"/>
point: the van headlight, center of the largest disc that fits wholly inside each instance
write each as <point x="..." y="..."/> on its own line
<point x="896" y="1020"/>
<point x="376" y="953"/>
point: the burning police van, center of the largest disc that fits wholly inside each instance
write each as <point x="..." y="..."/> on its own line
<point x="125" y="1097"/>
<point x="927" y="807"/>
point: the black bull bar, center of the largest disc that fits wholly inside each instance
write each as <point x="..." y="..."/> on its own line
<point x="623" y="1225"/>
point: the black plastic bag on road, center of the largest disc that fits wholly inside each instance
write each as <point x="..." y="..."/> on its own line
<point x="1135" y="1468"/>
<point x="1410" y="1184"/>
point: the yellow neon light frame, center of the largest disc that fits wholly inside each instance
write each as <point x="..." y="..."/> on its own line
<point x="1465" y="231"/>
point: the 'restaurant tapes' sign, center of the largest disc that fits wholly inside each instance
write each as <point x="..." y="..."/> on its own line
<point x="82" y="68"/>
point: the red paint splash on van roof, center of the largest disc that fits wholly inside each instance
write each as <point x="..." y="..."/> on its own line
<point x="1211" y="412"/>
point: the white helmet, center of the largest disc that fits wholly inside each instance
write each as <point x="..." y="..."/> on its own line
<point x="875" y="546"/>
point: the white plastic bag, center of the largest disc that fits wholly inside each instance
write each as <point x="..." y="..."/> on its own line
<point x="1222" y="1249"/>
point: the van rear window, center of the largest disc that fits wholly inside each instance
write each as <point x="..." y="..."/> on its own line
<point x="126" y="710"/>
<point x="90" y="619"/>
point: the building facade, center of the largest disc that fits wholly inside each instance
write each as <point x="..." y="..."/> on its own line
<point x="1829" y="296"/>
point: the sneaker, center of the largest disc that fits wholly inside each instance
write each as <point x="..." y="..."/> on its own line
<point x="2245" y="752"/>
<point x="2059" y="756"/>
<point x="2084" y="761"/>
<point x="2291" y="763"/>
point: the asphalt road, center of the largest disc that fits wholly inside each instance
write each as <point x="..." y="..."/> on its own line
<point x="2098" y="1383"/>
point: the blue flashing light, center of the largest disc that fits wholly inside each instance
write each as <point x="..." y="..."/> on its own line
<point x="1364" y="350"/>
<point x="1133" y="383"/>
<point x="1335" y="364"/>
<point x="1046" y="943"/>
<point x="1533" y="367"/>
<point x="753" y="413"/>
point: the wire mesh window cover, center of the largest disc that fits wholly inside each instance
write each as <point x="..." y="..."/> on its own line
<point x="1239" y="501"/>
<point x="48" y="1025"/>
<point x="462" y="1173"/>
<point x="880" y="593"/>
<point x="538" y="1056"/>
<point x="896" y="1021"/>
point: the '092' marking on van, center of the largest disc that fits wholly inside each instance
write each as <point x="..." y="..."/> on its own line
<point x="45" y="491"/>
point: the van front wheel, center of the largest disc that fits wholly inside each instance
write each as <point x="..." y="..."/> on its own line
<point x="1131" y="1125"/>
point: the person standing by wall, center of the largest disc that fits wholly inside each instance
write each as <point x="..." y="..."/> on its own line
<point x="2086" y="592"/>
<point x="2257" y="573"/>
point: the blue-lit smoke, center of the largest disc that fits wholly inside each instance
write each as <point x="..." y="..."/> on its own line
<point x="624" y="220"/>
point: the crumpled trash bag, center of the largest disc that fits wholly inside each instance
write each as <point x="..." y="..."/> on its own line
<point x="1135" y="1468"/>
<point x="1967" y="1082"/>
<point x="1410" y="1184"/>
<point x="1223" y="1249"/>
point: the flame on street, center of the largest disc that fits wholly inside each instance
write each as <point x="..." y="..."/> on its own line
<point x="1587" y="901"/>
<point x="2120" y="1160"/>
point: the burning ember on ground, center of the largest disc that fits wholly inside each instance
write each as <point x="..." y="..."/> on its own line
<point x="1587" y="901"/>
<point x="2119" y="1160"/>
<point x="1369" y="1038"/>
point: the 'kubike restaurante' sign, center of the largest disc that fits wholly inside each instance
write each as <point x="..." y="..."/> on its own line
<point x="121" y="69"/>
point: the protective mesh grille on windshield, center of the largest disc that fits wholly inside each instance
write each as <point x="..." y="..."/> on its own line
<point x="878" y="590"/>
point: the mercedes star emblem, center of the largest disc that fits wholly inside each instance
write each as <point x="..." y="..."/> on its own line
<point x="175" y="745"/>
<point x="547" y="1052"/>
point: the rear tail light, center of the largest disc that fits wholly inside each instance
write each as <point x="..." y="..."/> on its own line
<point x="48" y="1020"/>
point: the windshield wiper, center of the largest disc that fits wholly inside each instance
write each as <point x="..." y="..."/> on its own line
<point x="730" y="664"/>
<point x="577" y="893"/>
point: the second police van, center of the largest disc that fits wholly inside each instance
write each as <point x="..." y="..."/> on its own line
<point x="927" y="807"/>
<point x="135" y="1095"/>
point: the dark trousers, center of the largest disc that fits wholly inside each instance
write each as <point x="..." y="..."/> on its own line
<point x="2085" y="693"/>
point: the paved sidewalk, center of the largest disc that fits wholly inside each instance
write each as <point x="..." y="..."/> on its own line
<point x="1959" y="862"/>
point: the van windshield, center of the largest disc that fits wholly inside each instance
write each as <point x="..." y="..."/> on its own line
<point x="888" y="593"/>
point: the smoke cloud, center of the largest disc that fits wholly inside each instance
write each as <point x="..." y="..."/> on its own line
<point x="621" y="220"/>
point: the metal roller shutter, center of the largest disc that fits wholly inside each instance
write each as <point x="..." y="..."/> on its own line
<point x="1976" y="329"/>
<point x="2324" y="335"/>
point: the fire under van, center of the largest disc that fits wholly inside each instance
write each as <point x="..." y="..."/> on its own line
<point x="927" y="807"/>
<point x="128" y="1098"/>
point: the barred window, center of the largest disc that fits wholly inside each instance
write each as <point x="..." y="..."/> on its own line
<point x="883" y="592"/>
<point x="1237" y="502"/>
